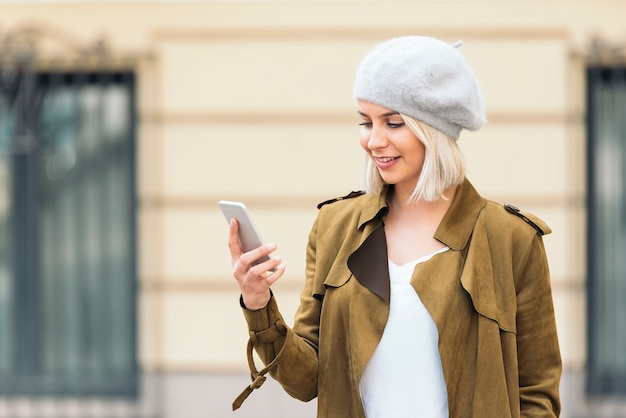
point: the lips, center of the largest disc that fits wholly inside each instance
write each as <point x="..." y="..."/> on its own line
<point x="385" y="162"/>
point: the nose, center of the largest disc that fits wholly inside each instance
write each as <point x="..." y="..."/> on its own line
<point x="377" y="139"/>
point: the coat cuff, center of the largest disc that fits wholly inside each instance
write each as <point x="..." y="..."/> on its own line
<point x="263" y="318"/>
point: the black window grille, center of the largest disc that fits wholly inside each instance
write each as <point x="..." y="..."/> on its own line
<point x="67" y="233"/>
<point x="606" y="185"/>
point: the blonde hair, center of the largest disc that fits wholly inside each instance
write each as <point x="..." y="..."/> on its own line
<point x="444" y="165"/>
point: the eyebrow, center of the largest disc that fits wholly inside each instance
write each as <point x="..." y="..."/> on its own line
<point x="392" y="113"/>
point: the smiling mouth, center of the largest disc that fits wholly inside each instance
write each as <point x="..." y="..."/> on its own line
<point x="386" y="159"/>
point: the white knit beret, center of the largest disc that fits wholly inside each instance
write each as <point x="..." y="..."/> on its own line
<point x="425" y="78"/>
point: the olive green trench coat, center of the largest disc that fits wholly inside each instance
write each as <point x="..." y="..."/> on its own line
<point x="489" y="295"/>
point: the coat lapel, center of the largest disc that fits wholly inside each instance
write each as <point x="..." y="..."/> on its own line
<point x="437" y="281"/>
<point x="369" y="263"/>
<point x="457" y="225"/>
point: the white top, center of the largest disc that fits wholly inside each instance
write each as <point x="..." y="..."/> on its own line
<point x="404" y="377"/>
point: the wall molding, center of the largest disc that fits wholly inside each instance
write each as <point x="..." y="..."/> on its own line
<point x="320" y="33"/>
<point x="289" y="117"/>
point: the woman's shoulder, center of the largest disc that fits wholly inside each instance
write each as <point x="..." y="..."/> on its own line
<point x="345" y="210"/>
<point x="510" y="217"/>
<point x="350" y="195"/>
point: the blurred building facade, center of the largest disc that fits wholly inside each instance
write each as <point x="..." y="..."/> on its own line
<point x="122" y="125"/>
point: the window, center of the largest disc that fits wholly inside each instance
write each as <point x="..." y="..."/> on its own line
<point x="67" y="234"/>
<point x="607" y="230"/>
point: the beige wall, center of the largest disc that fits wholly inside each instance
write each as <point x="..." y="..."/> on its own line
<point x="252" y="101"/>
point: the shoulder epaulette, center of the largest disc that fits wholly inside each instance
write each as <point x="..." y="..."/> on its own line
<point x="348" y="196"/>
<point x="535" y="222"/>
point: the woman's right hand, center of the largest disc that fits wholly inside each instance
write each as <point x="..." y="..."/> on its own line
<point x="254" y="280"/>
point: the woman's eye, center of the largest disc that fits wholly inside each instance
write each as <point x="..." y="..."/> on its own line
<point x="395" y="125"/>
<point x="366" y="124"/>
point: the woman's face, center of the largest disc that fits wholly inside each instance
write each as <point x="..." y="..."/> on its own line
<point x="392" y="146"/>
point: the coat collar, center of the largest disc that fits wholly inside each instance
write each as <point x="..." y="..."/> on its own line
<point x="375" y="204"/>
<point x="457" y="224"/>
<point x="368" y="263"/>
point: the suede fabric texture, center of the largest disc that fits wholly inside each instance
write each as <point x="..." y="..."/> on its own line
<point x="489" y="295"/>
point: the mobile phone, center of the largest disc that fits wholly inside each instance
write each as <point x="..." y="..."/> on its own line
<point x="249" y="236"/>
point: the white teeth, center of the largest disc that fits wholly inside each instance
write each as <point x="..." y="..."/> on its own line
<point x="386" y="159"/>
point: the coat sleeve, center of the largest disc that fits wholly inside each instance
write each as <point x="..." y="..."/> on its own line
<point x="293" y="351"/>
<point x="539" y="358"/>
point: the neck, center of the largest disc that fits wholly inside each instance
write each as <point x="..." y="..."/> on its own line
<point x="402" y="197"/>
<point x="410" y="226"/>
<point x="400" y="202"/>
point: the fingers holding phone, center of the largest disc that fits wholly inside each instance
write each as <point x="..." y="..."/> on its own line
<point x="257" y="259"/>
<point x="253" y="266"/>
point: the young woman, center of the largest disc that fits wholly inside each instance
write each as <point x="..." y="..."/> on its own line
<point x="422" y="299"/>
